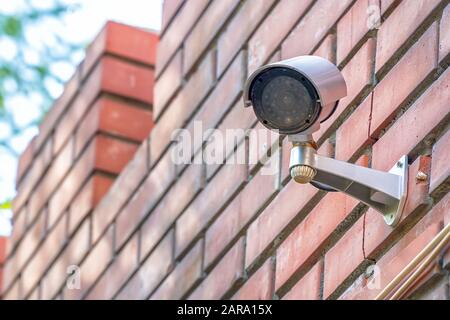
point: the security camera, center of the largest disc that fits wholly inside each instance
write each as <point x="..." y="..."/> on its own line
<point x="292" y="97"/>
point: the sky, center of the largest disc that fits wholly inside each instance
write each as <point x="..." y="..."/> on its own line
<point x="80" y="26"/>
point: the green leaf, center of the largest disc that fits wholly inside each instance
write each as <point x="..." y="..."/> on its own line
<point x="12" y="27"/>
<point x="7" y="205"/>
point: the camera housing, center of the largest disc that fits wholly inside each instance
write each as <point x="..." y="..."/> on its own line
<point x="293" y="96"/>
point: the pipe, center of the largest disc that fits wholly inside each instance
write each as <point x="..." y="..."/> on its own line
<point x="425" y="251"/>
<point x="421" y="268"/>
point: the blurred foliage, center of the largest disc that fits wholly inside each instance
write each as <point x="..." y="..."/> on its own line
<point x="7" y="205"/>
<point x="31" y="73"/>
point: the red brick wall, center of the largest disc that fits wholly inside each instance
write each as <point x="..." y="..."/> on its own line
<point x="167" y="231"/>
<point x="87" y="138"/>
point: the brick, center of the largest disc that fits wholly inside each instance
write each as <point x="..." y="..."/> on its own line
<point x="276" y="217"/>
<point x="440" y="171"/>
<point x="392" y="263"/>
<point x="72" y="255"/>
<point x="327" y="48"/>
<point x="19" y="226"/>
<point x="114" y="117"/>
<point x="168" y="83"/>
<point x="406" y="18"/>
<point x="112" y="155"/>
<point x="259" y="286"/>
<point x="59" y="107"/>
<point x="205" y="30"/>
<point x="235" y="125"/>
<point x="181" y="108"/>
<point x="40" y="164"/>
<point x="311" y="235"/>
<point x="353" y="135"/>
<point x="436" y="97"/>
<point x="88" y="198"/>
<point x="444" y="34"/>
<point x="185" y="274"/>
<point x="151" y="272"/>
<point x="222" y="277"/>
<point x="312" y="28"/>
<point x="387" y="4"/>
<point x="241" y="210"/>
<point x="308" y="287"/>
<point x="261" y="143"/>
<point x="197" y="215"/>
<point x="390" y="93"/>
<point x="378" y="233"/>
<point x="270" y="32"/>
<point x="115" y="276"/>
<point x="52" y="178"/>
<point x="71" y="184"/>
<point x="123" y="41"/>
<point x="358" y="74"/>
<point x="48" y="251"/>
<point x="122" y="189"/>
<point x="144" y="199"/>
<point x="170" y="8"/>
<point x="13" y="293"/>
<point x="354" y="25"/>
<point x="92" y="267"/>
<point x="25" y="160"/>
<point x="343" y="258"/>
<point x="237" y="31"/>
<point x="177" y="31"/>
<point x="166" y="212"/>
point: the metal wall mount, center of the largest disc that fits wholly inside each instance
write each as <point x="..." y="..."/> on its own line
<point x="384" y="191"/>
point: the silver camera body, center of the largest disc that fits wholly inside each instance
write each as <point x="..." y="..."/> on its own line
<point x="293" y="96"/>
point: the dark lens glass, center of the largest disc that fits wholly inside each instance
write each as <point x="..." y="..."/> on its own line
<point x="287" y="102"/>
<point x="284" y="100"/>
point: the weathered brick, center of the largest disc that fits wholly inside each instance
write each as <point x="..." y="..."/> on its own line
<point x="171" y="206"/>
<point x="444" y="34"/>
<point x="354" y="132"/>
<point x="205" y="30"/>
<point x="238" y="214"/>
<point x="312" y="27"/>
<point x="232" y="39"/>
<point x="327" y="48"/>
<point x="115" y="276"/>
<point x="112" y="155"/>
<point x="308" y="287"/>
<point x="358" y="74"/>
<point x="276" y="217"/>
<point x="439" y="162"/>
<point x="405" y="19"/>
<point x="313" y="233"/>
<point x="202" y="209"/>
<point x="410" y="129"/>
<point x="151" y="272"/>
<point x="170" y="8"/>
<point x="144" y="199"/>
<point x="123" y="41"/>
<point x="354" y="25"/>
<point x="88" y="198"/>
<point x="260" y="285"/>
<point x="25" y="160"/>
<point x="114" y="117"/>
<point x="181" y="108"/>
<point x="271" y="32"/>
<point x="92" y="267"/>
<point x="168" y="84"/>
<point x="222" y="277"/>
<point x="185" y="274"/>
<point x="390" y="93"/>
<point x="176" y="32"/>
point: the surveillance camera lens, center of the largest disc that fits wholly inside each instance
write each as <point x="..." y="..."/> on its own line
<point x="284" y="100"/>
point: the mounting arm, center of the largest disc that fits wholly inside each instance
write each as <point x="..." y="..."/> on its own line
<point x="384" y="191"/>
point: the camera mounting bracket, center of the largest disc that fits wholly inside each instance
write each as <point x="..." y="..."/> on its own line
<point x="384" y="191"/>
